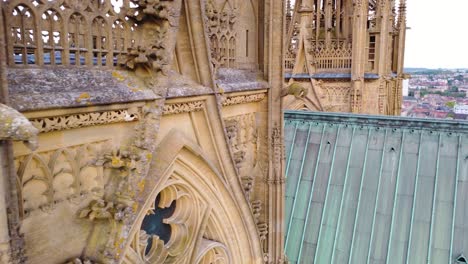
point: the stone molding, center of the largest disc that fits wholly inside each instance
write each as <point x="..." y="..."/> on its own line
<point x="186" y="107"/>
<point x="243" y="99"/>
<point x="64" y="122"/>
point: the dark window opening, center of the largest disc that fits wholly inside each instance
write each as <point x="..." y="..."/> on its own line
<point x="154" y="226"/>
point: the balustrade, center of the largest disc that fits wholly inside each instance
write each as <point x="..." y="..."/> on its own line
<point x="68" y="32"/>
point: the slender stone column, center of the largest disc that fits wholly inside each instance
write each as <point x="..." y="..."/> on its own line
<point x="5" y="148"/>
<point x="385" y="43"/>
<point x="359" y="54"/>
<point x="401" y="56"/>
<point x="384" y="23"/>
<point x="338" y="19"/>
<point x="328" y="22"/>
<point x="276" y="26"/>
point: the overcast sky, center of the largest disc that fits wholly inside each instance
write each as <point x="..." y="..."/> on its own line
<point x="438" y="37"/>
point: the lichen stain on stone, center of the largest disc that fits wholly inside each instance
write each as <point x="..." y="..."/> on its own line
<point x="83" y="97"/>
<point x="136" y="90"/>
<point x="149" y="156"/>
<point x="141" y="185"/>
<point x="118" y="76"/>
<point x="135" y="207"/>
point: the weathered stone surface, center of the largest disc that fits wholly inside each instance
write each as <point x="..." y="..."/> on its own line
<point x="180" y="86"/>
<point x="234" y="80"/>
<point x="38" y="89"/>
<point x="14" y="126"/>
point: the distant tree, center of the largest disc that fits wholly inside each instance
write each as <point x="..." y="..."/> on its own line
<point x="453" y="89"/>
<point x="450" y="104"/>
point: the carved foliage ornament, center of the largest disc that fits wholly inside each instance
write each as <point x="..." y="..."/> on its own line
<point x="149" y="9"/>
<point x="178" y="108"/>
<point x="64" y="122"/>
<point x="242" y="132"/>
<point x="277" y="148"/>
<point x="128" y="166"/>
<point x="152" y="54"/>
<point x="243" y="99"/>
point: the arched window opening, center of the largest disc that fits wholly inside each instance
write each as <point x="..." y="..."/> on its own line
<point x="98" y="4"/>
<point x="23" y="35"/>
<point x="52" y="37"/>
<point x="77" y="39"/>
<point x="119" y="45"/>
<point x="232" y="51"/>
<point x="153" y="224"/>
<point x="100" y="41"/>
<point x="224" y="50"/>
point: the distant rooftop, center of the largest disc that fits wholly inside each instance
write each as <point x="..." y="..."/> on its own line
<point x="331" y="75"/>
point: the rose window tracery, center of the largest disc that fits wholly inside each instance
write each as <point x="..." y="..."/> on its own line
<point x="170" y="230"/>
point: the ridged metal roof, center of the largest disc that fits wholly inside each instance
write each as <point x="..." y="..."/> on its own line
<point x="367" y="189"/>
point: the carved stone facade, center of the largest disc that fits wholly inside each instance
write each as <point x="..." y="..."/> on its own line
<point x="153" y="126"/>
<point x="243" y="99"/>
<point x="159" y="127"/>
<point x="337" y="96"/>
<point x="66" y="174"/>
<point x="57" y="123"/>
<point x="360" y="43"/>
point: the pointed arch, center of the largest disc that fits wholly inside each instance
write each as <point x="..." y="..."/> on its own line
<point x="22" y="24"/>
<point x="34" y="180"/>
<point x="182" y="170"/>
<point x="302" y="104"/>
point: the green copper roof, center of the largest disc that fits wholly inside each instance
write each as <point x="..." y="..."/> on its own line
<point x="366" y="189"/>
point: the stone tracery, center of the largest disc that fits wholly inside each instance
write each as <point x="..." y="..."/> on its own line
<point x="191" y="213"/>
<point x="221" y="17"/>
<point x="88" y="41"/>
<point x="51" y="177"/>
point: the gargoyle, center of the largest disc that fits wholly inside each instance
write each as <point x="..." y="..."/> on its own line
<point x="15" y="126"/>
<point x="295" y="89"/>
<point x="146" y="9"/>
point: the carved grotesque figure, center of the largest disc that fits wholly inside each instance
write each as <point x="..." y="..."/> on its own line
<point x="295" y="89"/>
<point x="14" y="126"/>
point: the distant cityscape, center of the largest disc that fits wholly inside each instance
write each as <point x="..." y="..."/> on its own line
<point x="440" y="93"/>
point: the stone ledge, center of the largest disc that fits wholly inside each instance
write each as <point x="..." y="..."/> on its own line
<point x="235" y="80"/>
<point x="35" y="89"/>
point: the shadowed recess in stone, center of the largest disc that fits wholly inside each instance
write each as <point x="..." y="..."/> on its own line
<point x="368" y="189"/>
<point x="154" y="224"/>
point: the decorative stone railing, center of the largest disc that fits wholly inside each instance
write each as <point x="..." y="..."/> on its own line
<point x="289" y="60"/>
<point x="69" y="32"/>
<point x="337" y="55"/>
